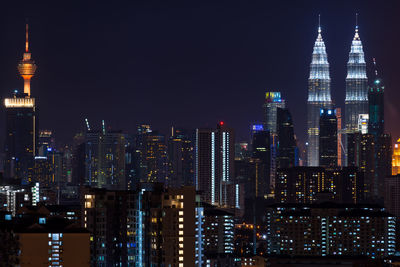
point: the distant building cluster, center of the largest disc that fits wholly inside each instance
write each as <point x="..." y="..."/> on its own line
<point x="200" y="197"/>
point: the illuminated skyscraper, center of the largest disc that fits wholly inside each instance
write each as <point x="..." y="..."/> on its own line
<point x="356" y="101"/>
<point x="105" y="159"/>
<point x="319" y="97"/>
<point x="21" y="128"/>
<point x="273" y="101"/>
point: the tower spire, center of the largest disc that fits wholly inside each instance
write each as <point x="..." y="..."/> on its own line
<point x="319" y="23"/>
<point x="27" y="38"/>
<point x="356" y="36"/>
<point x="375" y="69"/>
<point x="356" y="21"/>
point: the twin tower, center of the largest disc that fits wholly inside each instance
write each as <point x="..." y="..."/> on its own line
<point x="319" y="92"/>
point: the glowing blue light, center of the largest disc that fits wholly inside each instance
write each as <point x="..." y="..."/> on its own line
<point x="258" y="127"/>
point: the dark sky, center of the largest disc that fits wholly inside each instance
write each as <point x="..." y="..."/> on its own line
<point x="188" y="63"/>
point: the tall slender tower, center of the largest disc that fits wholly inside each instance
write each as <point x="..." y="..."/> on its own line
<point x="319" y="97"/>
<point x="27" y="66"/>
<point x="356" y="101"/>
<point x="21" y="128"/>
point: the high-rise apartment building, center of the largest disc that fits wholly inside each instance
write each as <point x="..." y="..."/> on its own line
<point x="330" y="229"/>
<point x="21" y="125"/>
<point x="114" y="219"/>
<point x="319" y="97"/>
<point x="328" y="148"/>
<point x="307" y="184"/>
<point x="214" y="165"/>
<point x="218" y="234"/>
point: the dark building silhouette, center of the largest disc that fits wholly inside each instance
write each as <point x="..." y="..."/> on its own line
<point x="21" y="137"/>
<point x="181" y="158"/>
<point x="328" y="138"/>
<point x="376" y="108"/>
<point x="261" y="163"/>
<point x="286" y="149"/>
<point x="361" y="154"/>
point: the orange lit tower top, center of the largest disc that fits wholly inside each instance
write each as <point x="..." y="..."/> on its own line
<point x="27" y="67"/>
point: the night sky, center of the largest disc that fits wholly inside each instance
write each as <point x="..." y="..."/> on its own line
<point x="188" y="63"/>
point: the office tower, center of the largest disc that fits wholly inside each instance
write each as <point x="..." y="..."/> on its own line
<point x="328" y="138"/>
<point x="340" y="152"/>
<point x="46" y="142"/>
<point x="155" y="158"/>
<point x="376" y="127"/>
<point x="21" y="124"/>
<point x="310" y="184"/>
<point x="181" y="158"/>
<point x="142" y="131"/>
<point x="261" y="159"/>
<point x="67" y="158"/>
<point x="105" y="159"/>
<point x="286" y="148"/>
<point x="214" y="165"/>
<point x="273" y="101"/>
<point x="78" y="159"/>
<point x="115" y="221"/>
<point x="356" y="101"/>
<point x="131" y="162"/>
<point x="396" y="158"/>
<point x="319" y="97"/>
<point x="330" y="229"/>
<point x="376" y="122"/>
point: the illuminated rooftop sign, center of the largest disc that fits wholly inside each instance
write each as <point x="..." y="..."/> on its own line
<point x="19" y="102"/>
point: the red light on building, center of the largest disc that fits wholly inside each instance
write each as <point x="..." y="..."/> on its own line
<point x="221" y="123"/>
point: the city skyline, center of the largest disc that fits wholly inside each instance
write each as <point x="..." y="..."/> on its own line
<point x="140" y="80"/>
